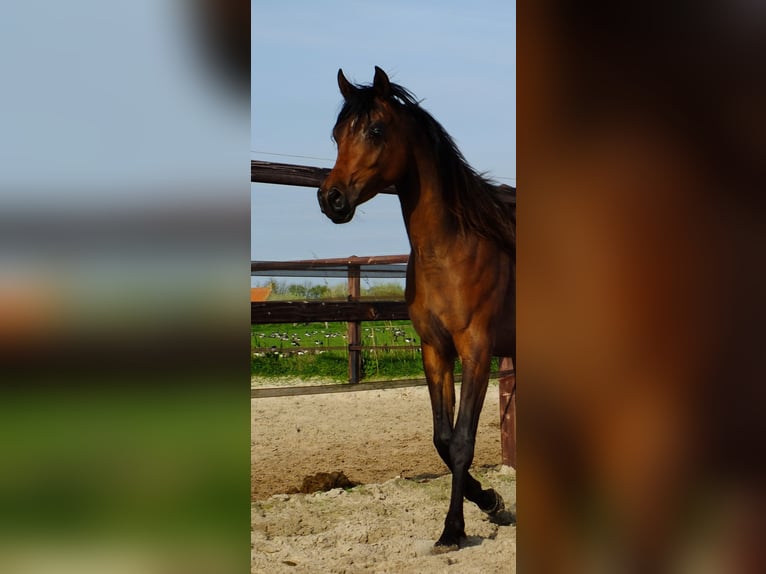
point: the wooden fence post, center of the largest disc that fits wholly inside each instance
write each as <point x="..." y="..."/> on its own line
<point x="354" y="327"/>
<point x="508" y="413"/>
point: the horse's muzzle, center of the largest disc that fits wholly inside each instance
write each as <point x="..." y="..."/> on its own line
<point x="335" y="205"/>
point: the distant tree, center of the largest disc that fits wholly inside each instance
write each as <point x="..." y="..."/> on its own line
<point x="338" y="291"/>
<point x="384" y="290"/>
<point x="277" y="287"/>
<point x="318" y="291"/>
<point x="297" y="290"/>
<point x="305" y="290"/>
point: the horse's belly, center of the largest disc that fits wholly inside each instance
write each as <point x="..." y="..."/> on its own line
<point x="436" y="324"/>
<point x="442" y="304"/>
<point x="505" y="331"/>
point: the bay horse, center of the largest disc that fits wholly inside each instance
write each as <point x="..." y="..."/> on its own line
<point x="460" y="287"/>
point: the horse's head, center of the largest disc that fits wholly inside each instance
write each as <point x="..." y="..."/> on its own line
<point x="370" y="136"/>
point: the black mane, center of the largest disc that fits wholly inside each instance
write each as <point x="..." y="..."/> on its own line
<point x="472" y="198"/>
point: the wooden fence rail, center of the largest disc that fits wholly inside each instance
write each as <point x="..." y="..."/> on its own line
<point x="288" y="174"/>
<point x="300" y="391"/>
<point x="306" y="176"/>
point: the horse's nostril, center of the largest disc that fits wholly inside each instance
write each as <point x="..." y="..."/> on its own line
<point x="336" y="199"/>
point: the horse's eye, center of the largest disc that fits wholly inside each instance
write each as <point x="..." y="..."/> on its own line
<point x="375" y="131"/>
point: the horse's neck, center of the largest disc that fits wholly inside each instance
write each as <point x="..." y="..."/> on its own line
<point x="429" y="223"/>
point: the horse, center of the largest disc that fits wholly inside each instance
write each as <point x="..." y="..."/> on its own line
<point x="460" y="282"/>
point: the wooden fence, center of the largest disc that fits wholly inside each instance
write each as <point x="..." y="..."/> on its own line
<point x="352" y="311"/>
<point x="306" y="176"/>
<point x="355" y="310"/>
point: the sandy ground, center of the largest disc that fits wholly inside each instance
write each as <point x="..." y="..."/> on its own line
<point x="382" y="440"/>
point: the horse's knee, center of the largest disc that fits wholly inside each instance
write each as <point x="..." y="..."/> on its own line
<point x="442" y="444"/>
<point x="461" y="450"/>
<point x="442" y="438"/>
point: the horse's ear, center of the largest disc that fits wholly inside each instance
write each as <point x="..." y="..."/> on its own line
<point x="346" y="87"/>
<point x="381" y="84"/>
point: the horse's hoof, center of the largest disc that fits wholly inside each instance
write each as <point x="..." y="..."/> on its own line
<point x="449" y="542"/>
<point x="497" y="507"/>
<point x="441" y="549"/>
<point x="503" y="518"/>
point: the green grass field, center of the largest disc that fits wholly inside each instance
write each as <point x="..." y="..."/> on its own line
<point x="305" y="350"/>
<point x="301" y="350"/>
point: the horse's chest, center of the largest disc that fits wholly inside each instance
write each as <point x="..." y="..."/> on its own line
<point x="434" y="310"/>
<point x="429" y="292"/>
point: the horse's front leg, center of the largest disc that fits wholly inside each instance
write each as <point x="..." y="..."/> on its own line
<point x="476" y="361"/>
<point x="439" y="367"/>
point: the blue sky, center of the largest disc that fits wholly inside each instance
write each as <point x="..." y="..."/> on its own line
<point x="458" y="57"/>
<point x="106" y="105"/>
